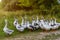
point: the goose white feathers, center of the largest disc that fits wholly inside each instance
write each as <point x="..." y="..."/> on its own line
<point x="18" y="26"/>
<point x="45" y="26"/>
<point x="58" y="1"/>
<point x="29" y="26"/>
<point x="54" y="25"/>
<point x="41" y="23"/>
<point x="33" y="22"/>
<point x="37" y="22"/>
<point x="22" y="23"/>
<point x="7" y="30"/>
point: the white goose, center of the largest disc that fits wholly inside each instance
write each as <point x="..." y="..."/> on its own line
<point x="51" y="22"/>
<point x="45" y="25"/>
<point x="58" y="1"/>
<point x="29" y="26"/>
<point x="7" y="30"/>
<point x="19" y="27"/>
<point x="55" y="24"/>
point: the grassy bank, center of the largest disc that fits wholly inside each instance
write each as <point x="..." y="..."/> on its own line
<point x="10" y="16"/>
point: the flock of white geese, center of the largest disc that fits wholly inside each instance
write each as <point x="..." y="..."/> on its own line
<point x="35" y="24"/>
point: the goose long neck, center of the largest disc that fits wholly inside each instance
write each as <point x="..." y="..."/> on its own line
<point x="16" y="20"/>
<point x="55" y="20"/>
<point x="5" y="24"/>
<point x="33" y="19"/>
<point x="22" y="20"/>
<point x="37" y="18"/>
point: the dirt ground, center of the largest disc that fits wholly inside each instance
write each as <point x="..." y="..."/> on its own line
<point x="33" y="36"/>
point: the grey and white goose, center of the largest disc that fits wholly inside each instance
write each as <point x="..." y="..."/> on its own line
<point x="27" y="24"/>
<point x="36" y="22"/>
<point x="41" y="21"/>
<point x="45" y="25"/>
<point x="51" y="22"/>
<point x="55" y="24"/>
<point x="7" y="30"/>
<point x="58" y="1"/>
<point x="19" y="27"/>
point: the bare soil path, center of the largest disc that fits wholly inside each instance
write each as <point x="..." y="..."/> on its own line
<point x="33" y="36"/>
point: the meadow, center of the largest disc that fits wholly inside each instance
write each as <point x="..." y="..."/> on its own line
<point x="10" y="16"/>
<point x="10" y="9"/>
